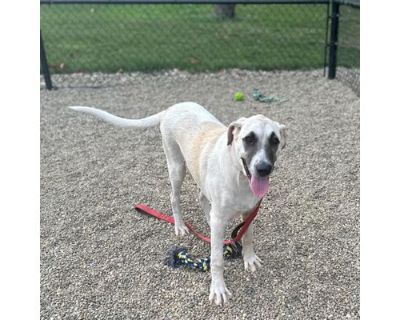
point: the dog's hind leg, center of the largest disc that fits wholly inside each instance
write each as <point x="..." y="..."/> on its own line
<point x="205" y="205"/>
<point x="177" y="170"/>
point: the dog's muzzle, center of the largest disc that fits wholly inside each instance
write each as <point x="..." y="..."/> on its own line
<point x="259" y="183"/>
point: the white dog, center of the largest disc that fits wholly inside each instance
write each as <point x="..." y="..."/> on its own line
<point x="230" y="165"/>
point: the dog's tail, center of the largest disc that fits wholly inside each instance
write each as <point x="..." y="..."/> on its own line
<point x="150" y="121"/>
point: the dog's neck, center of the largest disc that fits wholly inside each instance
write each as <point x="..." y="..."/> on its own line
<point x="233" y="187"/>
<point x="236" y="161"/>
<point x="236" y="181"/>
<point x="239" y="175"/>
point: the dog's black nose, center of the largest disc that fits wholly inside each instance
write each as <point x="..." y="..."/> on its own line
<point x="263" y="169"/>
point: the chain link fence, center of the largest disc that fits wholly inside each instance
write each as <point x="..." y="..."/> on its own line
<point x="125" y="36"/>
<point x="348" y="62"/>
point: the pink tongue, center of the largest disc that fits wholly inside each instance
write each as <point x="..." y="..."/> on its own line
<point x="259" y="186"/>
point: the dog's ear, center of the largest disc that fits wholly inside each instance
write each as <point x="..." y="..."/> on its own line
<point x="283" y="134"/>
<point x="234" y="129"/>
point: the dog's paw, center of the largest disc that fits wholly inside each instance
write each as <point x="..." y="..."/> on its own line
<point x="251" y="262"/>
<point x="181" y="229"/>
<point x="219" y="293"/>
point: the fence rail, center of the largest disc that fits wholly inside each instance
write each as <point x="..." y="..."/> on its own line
<point x="138" y="35"/>
<point x="184" y="2"/>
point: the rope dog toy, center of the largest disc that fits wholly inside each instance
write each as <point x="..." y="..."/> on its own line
<point x="179" y="256"/>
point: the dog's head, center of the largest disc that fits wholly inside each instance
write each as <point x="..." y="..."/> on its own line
<point x="257" y="142"/>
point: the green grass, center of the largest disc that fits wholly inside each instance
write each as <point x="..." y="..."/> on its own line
<point x="110" y="38"/>
<point x="349" y="38"/>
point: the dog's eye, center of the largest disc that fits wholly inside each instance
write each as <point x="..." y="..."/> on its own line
<point x="250" y="138"/>
<point x="274" y="139"/>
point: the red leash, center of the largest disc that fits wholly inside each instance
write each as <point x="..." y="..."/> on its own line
<point x="161" y="216"/>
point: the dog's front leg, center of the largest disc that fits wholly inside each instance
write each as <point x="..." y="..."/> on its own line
<point x="249" y="257"/>
<point x="218" y="291"/>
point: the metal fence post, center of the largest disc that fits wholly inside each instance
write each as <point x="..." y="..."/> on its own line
<point x="44" y="66"/>
<point x="333" y="44"/>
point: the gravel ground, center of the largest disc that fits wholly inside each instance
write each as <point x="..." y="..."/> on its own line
<point x="102" y="260"/>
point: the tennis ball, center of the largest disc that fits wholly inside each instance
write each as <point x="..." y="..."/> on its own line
<point x="238" y="96"/>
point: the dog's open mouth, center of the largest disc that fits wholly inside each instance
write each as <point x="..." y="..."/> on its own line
<point x="246" y="169"/>
<point x="258" y="185"/>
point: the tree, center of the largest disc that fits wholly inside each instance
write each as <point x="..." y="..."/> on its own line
<point x="224" y="11"/>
